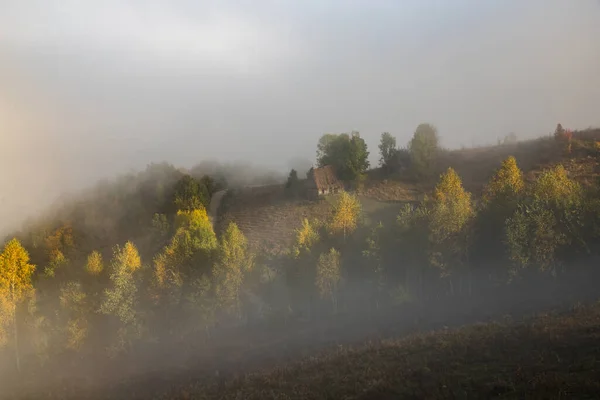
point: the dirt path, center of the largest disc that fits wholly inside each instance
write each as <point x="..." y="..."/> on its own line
<point x="213" y="208"/>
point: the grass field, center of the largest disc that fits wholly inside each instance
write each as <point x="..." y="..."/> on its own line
<point x="553" y="356"/>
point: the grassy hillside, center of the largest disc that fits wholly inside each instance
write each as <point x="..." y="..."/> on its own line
<point x="551" y="356"/>
<point x="269" y="219"/>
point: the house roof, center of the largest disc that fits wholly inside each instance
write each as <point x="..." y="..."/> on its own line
<point x="325" y="178"/>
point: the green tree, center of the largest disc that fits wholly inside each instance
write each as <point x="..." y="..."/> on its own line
<point x="15" y="285"/>
<point x="292" y="185"/>
<point x="347" y="153"/>
<point x="75" y="305"/>
<point x="234" y="260"/>
<point x="190" y="194"/>
<point x="500" y="199"/>
<point x="346" y="212"/>
<point x="374" y="260"/>
<point x="329" y="276"/>
<point x="547" y="224"/>
<point x="201" y="305"/>
<point x="190" y="247"/>
<point x="388" y="151"/>
<point x="423" y="148"/>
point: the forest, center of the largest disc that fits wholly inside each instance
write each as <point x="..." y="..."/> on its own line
<point x="137" y="267"/>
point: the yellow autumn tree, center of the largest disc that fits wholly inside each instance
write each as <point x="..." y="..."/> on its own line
<point x="451" y="211"/>
<point x="346" y="212"/>
<point x="58" y="244"/>
<point x="15" y="284"/>
<point x="94" y="265"/>
<point x="506" y="183"/>
<point x="306" y="237"/>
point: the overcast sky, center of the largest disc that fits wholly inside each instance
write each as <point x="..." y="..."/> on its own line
<point x="94" y="88"/>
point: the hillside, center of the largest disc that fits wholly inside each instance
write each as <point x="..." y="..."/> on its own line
<point x="552" y="356"/>
<point x="269" y="219"/>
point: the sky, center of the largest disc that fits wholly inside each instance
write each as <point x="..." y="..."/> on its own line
<point x="91" y="89"/>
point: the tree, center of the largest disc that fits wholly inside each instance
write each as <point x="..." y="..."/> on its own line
<point x="15" y="285"/>
<point x="201" y="304"/>
<point x="74" y="303"/>
<point x="120" y="300"/>
<point x="306" y="237"/>
<point x="346" y="211"/>
<point x="234" y="260"/>
<point x="388" y="151"/>
<point x="375" y="263"/>
<point x="451" y="212"/>
<point x="190" y="247"/>
<point x="499" y="202"/>
<point x="547" y="223"/>
<point x="329" y="275"/>
<point x="423" y="149"/>
<point x="190" y="194"/>
<point x="505" y="185"/>
<point x="94" y="265"/>
<point x="347" y="153"/>
<point x="293" y="183"/>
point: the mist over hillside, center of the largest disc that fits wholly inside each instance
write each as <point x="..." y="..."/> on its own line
<point x="91" y="90"/>
<point x="194" y="192"/>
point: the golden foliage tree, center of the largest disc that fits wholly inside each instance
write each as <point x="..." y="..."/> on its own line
<point x="329" y="275"/>
<point x="346" y="212"/>
<point x="94" y="265"/>
<point x="15" y="284"/>
<point x="306" y="237"/>
<point x="506" y="184"/>
<point x="450" y="214"/>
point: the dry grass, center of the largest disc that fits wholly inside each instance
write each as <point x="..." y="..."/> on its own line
<point x="552" y="356"/>
<point x="267" y="218"/>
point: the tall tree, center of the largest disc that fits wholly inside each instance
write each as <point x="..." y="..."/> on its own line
<point x="329" y="276"/>
<point x="423" y="149"/>
<point x="15" y="284"/>
<point x="450" y="216"/>
<point x="234" y="261"/>
<point x="500" y="199"/>
<point x="388" y="151"/>
<point x="121" y="299"/>
<point x="374" y="259"/>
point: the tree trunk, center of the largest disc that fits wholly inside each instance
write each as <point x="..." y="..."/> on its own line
<point x="16" y="332"/>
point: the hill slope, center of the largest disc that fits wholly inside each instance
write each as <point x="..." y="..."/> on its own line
<point x="551" y="356"/>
